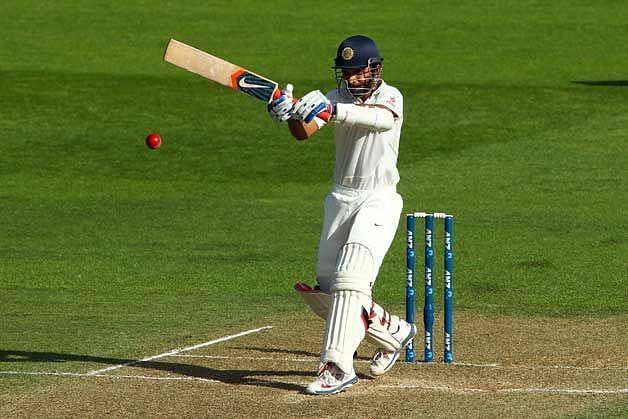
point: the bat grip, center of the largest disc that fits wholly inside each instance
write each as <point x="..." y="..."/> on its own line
<point x="325" y="116"/>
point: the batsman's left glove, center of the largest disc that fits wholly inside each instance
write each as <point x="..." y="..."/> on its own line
<point x="312" y="104"/>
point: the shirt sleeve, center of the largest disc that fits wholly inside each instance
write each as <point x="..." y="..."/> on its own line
<point x="393" y="100"/>
<point x="332" y="96"/>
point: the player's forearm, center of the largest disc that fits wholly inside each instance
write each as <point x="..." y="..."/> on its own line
<point x="302" y="130"/>
<point x="376" y="118"/>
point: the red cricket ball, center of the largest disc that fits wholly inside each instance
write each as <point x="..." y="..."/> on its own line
<point x="153" y="140"/>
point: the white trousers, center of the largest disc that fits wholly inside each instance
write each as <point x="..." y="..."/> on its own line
<point x="365" y="217"/>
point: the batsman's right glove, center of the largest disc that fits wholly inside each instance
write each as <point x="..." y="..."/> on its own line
<point x="282" y="108"/>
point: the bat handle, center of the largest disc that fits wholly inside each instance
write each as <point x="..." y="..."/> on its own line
<point x="325" y="116"/>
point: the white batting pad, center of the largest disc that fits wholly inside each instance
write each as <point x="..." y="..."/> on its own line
<point x="354" y="269"/>
<point x="316" y="299"/>
<point x="346" y="327"/>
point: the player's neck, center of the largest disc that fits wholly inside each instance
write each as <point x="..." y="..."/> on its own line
<point x="369" y="94"/>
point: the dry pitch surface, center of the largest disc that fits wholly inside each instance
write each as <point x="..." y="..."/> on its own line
<point x="505" y="367"/>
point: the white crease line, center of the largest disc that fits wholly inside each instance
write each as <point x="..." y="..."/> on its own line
<point x="421" y="364"/>
<point x="135" y="377"/>
<point x="445" y="388"/>
<point x="572" y="367"/>
<point x="541" y="367"/>
<point x="566" y="390"/>
<point x="248" y="358"/>
<point x="441" y="388"/>
<point x="178" y="351"/>
<point x="468" y="364"/>
<point x="59" y="374"/>
<point x="260" y="358"/>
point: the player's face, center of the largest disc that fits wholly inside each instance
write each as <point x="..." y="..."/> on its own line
<point x="359" y="82"/>
<point x="356" y="78"/>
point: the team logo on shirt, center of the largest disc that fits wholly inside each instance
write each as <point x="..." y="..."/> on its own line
<point x="347" y="53"/>
<point x="391" y="100"/>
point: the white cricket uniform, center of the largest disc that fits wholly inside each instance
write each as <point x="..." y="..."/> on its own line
<point x="363" y="206"/>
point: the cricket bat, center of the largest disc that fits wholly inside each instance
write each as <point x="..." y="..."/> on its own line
<point x="224" y="72"/>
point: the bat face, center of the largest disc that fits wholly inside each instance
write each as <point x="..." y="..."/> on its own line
<point x="220" y="71"/>
<point x="224" y="72"/>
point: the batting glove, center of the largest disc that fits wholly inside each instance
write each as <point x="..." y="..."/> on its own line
<point x="281" y="109"/>
<point x="311" y="105"/>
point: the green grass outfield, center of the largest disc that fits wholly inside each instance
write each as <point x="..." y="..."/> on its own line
<point x="110" y="249"/>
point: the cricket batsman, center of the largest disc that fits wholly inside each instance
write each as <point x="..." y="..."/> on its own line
<point x="361" y="213"/>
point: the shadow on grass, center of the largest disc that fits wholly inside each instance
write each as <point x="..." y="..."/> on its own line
<point x="238" y="377"/>
<point x="292" y="352"/>
<point x="276" y="350"/>
<point x="602" y="82"/>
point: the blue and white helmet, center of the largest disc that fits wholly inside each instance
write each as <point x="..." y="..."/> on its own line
<point x="355" y="53"/>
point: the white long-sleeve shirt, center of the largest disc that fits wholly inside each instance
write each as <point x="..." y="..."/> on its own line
<point x="367" y="159"/>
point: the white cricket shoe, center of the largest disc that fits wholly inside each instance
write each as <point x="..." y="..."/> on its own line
<point x="331" y="380"/>
<point x="384" y="360"/>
